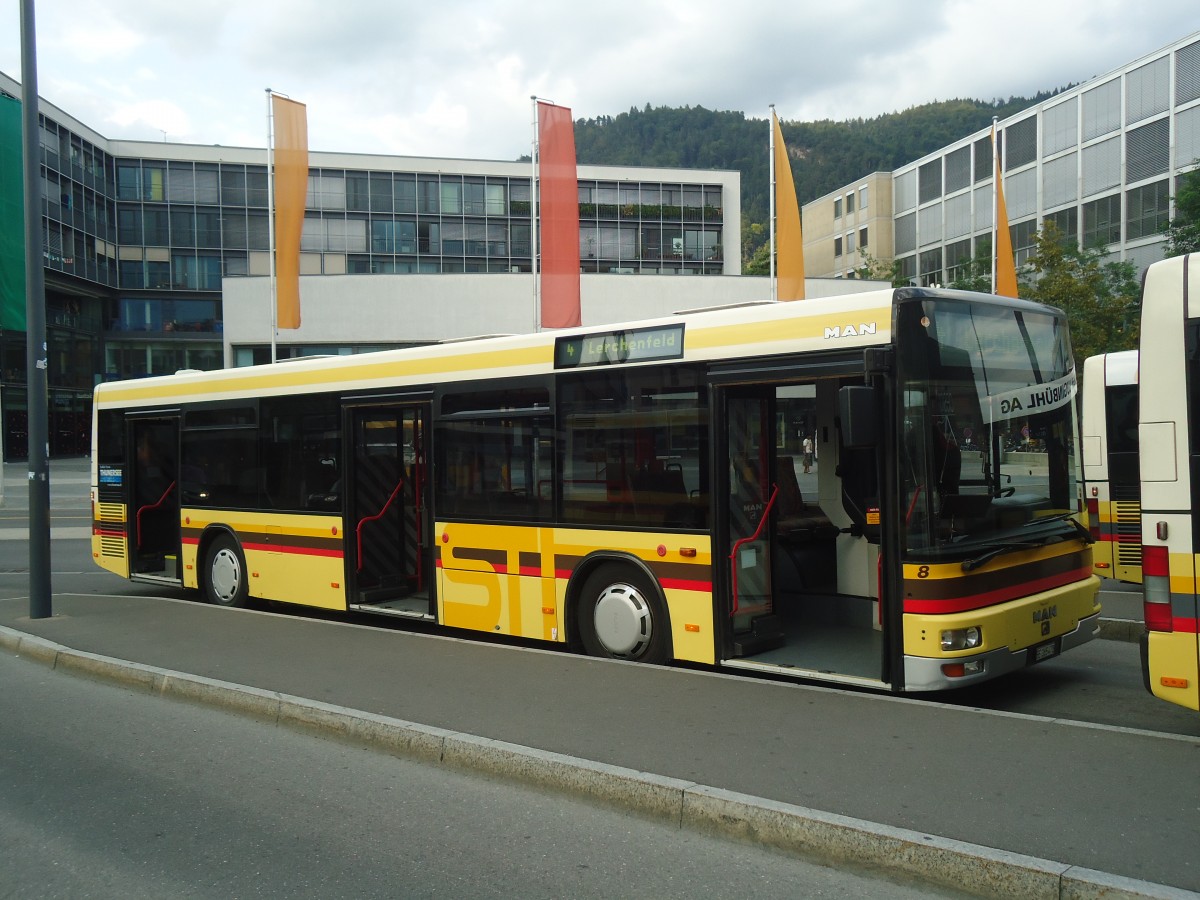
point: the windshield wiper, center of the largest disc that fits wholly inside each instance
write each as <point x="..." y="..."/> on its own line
<point x="1080" y="530"/>
<point x="975" y="562"/>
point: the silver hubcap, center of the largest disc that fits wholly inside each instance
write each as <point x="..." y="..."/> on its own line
<point x="624" y="624"/>
<point x="226" y="575"/>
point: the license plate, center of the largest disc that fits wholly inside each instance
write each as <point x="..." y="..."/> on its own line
<point x="1043" y="651"/>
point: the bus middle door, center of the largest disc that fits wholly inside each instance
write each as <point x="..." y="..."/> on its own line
<point x="750" y="436"/>
<point x="387" y="515"/>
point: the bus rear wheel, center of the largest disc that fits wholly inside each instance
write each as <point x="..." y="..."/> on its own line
<point x="622" y="617"/>
<point x="225" y="574"/>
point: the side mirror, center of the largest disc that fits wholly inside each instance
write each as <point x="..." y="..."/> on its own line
<point x="859" y="408"/>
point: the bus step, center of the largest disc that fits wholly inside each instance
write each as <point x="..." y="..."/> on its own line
<point x="765" y="634"/>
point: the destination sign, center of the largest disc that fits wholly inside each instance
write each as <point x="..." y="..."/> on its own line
<point x="611" y="348"/>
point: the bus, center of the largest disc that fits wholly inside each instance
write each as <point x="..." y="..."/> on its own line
<point x="1169" y="434"/>
<point x="1109" y="424"/>
<point x="631" y="491"/>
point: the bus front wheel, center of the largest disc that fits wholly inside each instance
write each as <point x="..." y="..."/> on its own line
<point x="622" y="617"/>
<point x="225" y="574"/>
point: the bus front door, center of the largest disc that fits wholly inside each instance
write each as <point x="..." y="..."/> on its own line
<point x="153" y="521"/>
<point x="386" y="519"/>
<point x="751" y="493"/>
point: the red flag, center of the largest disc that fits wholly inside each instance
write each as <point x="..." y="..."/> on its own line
<point x="559" y="221"/>
<point x="291" y="187"/>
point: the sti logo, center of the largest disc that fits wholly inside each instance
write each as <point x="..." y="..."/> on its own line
<point x="845" y="331"/>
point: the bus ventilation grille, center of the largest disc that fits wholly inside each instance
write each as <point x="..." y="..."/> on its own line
<point x="1128" y="527"/>
<point x="112" y="545"/>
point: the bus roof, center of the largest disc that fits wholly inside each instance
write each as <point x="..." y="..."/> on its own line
<point x="820" y="324"/>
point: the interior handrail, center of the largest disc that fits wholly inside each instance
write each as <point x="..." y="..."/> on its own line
<point x="149" y="508"/>
<point x="754" y="537"/>
<point x="358" y="530"/>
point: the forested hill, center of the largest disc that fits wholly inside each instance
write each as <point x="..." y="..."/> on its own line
<point x="825" y="155"/>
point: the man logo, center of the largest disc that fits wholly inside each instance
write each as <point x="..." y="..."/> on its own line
<point x="844" y="331"/>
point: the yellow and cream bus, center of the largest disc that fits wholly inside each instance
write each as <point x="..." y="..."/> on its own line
<point x="632" y="491"/>
<point x="1169" y="437"/>
<point x="1109" y="423"/>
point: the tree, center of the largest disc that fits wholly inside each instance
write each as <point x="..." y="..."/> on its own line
<point x="760" y="262"/>
<point x="976" y="273"/>
<point x="1101" y="298"/>
<point x="875" y="269"/>
<point x="1183" y="234"/>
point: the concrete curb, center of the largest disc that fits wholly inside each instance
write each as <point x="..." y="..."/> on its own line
<point x="819" y="836"/>
<point x="1128" y="630"/>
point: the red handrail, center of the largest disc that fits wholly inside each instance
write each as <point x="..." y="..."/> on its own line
<point x="379" y="515"/>
<point x="754" y="537"/>
<point x="148" y="508"/>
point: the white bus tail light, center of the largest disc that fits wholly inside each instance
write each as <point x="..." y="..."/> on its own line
<point x="1156" y="588"/>
<point x="1093" y="513"/>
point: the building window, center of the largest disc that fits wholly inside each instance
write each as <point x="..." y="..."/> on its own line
<point x="862" y="197"/>
<point x="1102" y="221"/>
<point x="958" y="255"/>
<point x="837" y="208"/>
<point x="931" y="267"/>
<point x="850" y="203"/>
<point x="850" y="242"/>
<point x="1066" y="221"/>
<point x="837" y="246"/>
<point x="1147" y="210"/>
<point x="1024" y="236"/>
<point x="929" y="181"/>
<point x="862" y="238"/>
<point x="983" y="159"/>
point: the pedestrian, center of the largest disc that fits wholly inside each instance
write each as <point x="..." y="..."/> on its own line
<point x="808" y="453"/>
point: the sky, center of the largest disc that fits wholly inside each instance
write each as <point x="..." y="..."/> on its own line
<point x="454" y="78"/>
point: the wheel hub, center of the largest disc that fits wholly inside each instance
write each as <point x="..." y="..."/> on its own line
<point x="624" y="624"/>
<point x="226" y="574"/>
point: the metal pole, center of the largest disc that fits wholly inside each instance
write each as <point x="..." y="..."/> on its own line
<point x="774" y="286"/>
<point x="271" y="224"/>
<point x="995" y="209"/>
<point x="533" y="223"/>
<point x="35" y="331"/>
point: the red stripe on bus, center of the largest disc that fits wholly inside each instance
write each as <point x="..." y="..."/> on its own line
<point x="683" y="584"/>
<point x="991" y="598"/>
<point x="1185" y="626"/>
<point x="296" y="551"/>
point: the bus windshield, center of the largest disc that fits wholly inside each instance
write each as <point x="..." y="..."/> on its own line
<point x="987" y="455"/>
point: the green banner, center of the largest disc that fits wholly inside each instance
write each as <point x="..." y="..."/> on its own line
<point x="12" y="218"/>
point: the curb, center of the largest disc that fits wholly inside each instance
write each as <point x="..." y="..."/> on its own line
<point x="1128" y="630"/>
<point x="825" y="838"/>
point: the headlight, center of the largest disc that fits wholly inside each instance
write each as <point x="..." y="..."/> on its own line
<point x="962" y="638"/>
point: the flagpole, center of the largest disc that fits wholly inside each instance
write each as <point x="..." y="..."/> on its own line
<point x="533" y="190"/>
<point x="995" y="207"/>
<point x="774" y="284"/>
<point x="271" y="224"/>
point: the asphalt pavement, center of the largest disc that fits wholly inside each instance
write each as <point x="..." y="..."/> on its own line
<point x="995" y="803"/>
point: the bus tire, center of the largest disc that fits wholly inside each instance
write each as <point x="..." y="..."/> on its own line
<point x="225" y="577"/>
<point x="621" y="616"/>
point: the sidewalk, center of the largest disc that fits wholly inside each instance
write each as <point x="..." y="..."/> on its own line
<point x="998" y="804"/>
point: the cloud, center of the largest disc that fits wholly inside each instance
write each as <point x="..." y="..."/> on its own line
<point x="454" y="78"/>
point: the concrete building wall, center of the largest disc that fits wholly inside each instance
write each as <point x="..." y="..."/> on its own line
<point x="370" y="310"/>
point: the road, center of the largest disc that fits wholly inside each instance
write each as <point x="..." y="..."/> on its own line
<point x="110" y="793"/>
<point x="1098" y="683"/>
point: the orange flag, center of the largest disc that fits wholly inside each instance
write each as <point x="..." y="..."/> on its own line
<point x="789" y="240"/>
<point x="1006" y="270"/>
<point x="291" y="187"/>
<point x="559" y="220"/>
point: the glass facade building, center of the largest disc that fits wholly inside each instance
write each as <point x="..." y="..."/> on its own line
<point x="138" y="237"/>
<point x="1099" y="160"/>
